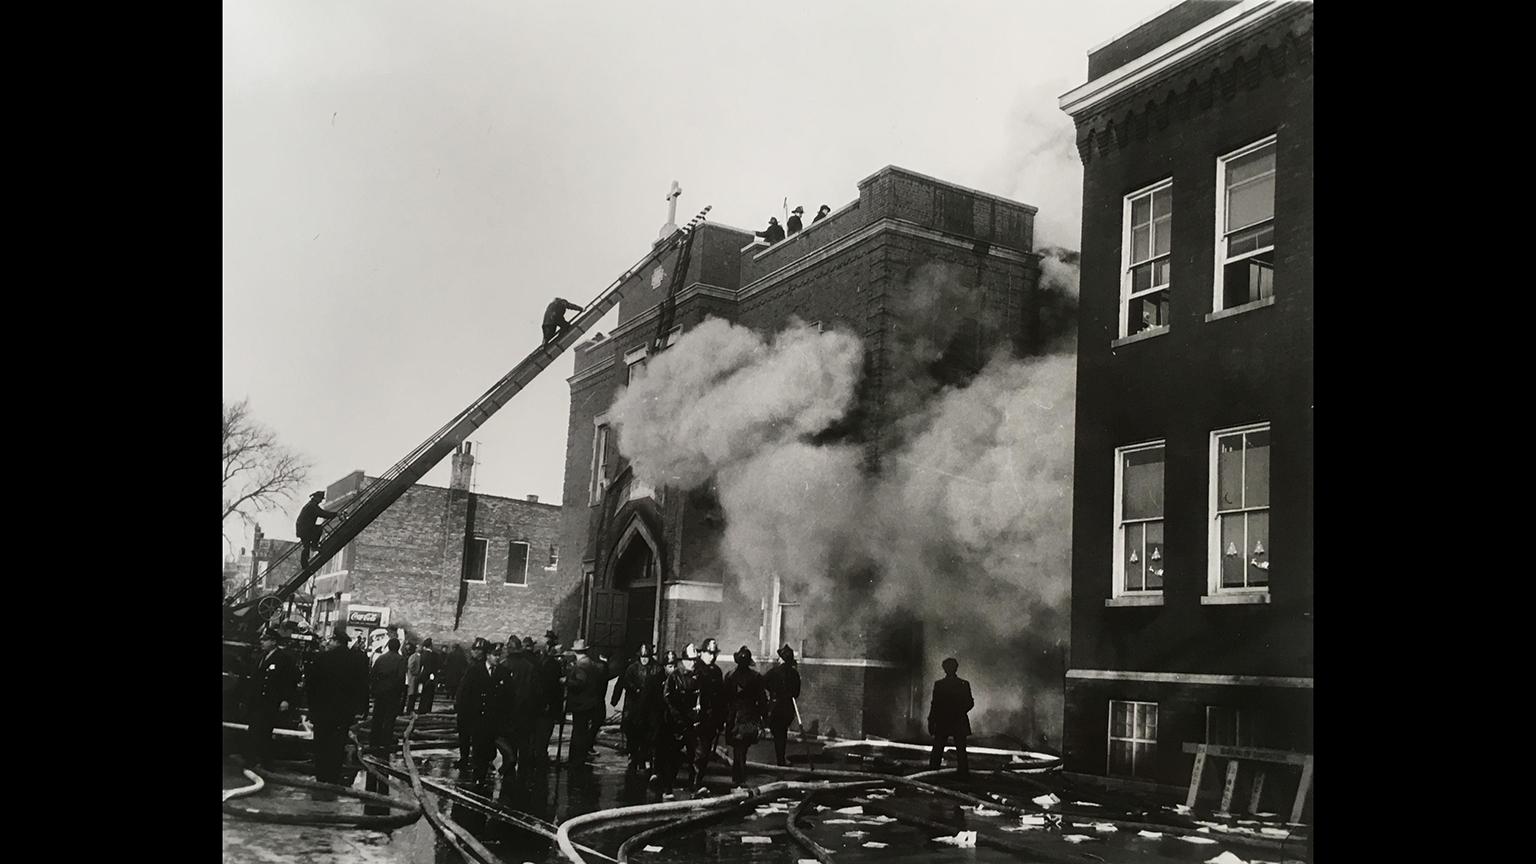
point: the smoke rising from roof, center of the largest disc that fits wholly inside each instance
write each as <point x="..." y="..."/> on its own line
<point x="967" y="525"/>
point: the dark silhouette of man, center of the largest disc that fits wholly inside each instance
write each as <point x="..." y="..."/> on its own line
<point x="948" y="715"/>
<point x="555" y="324"/>
<point x="337" y="685"/>
<point x="793" y="224"/>
<point x="783" y="683"/>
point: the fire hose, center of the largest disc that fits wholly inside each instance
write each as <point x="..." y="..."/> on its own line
<point x="462" y="841"/>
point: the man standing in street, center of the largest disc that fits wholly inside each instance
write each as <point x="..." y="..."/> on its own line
<point x="747" y="702"/>
<point x="549" y="698"/>
<point x="948" y="715"/>
<point x="632" y="688"/>
<point x="428" y="665"/>
<point x="307" y="526"/>
<point x="386" y="683"/>
<point x="514" y="709"/>
<point x="471" y="704"/>
<point x="783" y="683"/>
<point x="712" y="707"/>
<point x="681" y="694"/>
<point x="584" y="686"/>
<point x="270" y="687"/>
<point x="338" y="692"/>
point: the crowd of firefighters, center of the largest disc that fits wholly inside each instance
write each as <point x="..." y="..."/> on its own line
<point x="509" y="697"/>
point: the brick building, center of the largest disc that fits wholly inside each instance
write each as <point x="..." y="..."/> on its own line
<point x="647" y="560"/>
<point x="1194" y="439"/>
<point x="450" y="564"/>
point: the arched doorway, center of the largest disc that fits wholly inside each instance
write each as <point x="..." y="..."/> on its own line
<point x="624" y="600"/>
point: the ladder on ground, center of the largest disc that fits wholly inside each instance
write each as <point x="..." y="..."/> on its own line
<point x="248" y="603"/>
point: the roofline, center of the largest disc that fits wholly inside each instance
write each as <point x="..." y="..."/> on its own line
<point x="908" y="171"/>
<point x="1205" y="36"/>
<point x="1134" y="27"/>
<point x="370" y="478"/>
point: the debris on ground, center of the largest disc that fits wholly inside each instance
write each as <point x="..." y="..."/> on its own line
<point x="1075" y="838"/>
<point x="964" y="840"/>
<point x="753" y="838"/>
<point x="1150" y="835"/>
<point x="1225" y="858"/>
<point x="651" y="849"/>
<point x="1047" y="800"/>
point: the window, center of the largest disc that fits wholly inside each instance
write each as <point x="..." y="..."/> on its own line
<point x="1147" y="244"/>
<point x="474" y="564"/>
<point x="599" y="462"/>
<point x="1240" y="509"/>
<point x="1132" y="738"/>
<point x="1139" y="518"/>
<point x="1245" y="225"/>
<point x="554" y="555"/>
<point x="634" y="365"/>
<point x="335" y="564"/>
<point x="674" y="333"/>
<point x="1232" y="727"/>
<point x="517" y="563"/>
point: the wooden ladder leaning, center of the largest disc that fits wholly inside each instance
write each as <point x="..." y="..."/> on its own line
<point x="1235" y="755"/>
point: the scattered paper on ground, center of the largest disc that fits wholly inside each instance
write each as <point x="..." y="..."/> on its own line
<point x="1275" y="832"/>
<point x="1201" y="840"/>
<point x="1087" y="804"/>
<point x="1029" y="821"/>
<point x="874" y="845"/>
<point x="651" y="849"/>
<point x="856" y="810"/>
<point x="750" y="838"/>
<point x="964" y="840"/>
<point x="1049" y="799"/>
<point x="1225" y="858"/>
<point x="1181" y="809"/>
<point x="1104" y="827"/>
<point x="1075" y="838"/>
<point x="1082" y="824"/>
<point x="981" y="810"/>
<point x="839" y="821"/>
<point x="1150" y="835"/>
<point x="881" y="820"/>
<point x="855" y="833"/>
<point x="819" y="808"/>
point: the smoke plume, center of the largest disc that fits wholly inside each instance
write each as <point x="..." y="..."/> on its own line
<point x="965" y="528"/>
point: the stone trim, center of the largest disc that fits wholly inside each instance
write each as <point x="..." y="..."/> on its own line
<point x="1190" y="678"/>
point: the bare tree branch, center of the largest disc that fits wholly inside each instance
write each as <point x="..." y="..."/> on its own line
<point x="260" y="473"/>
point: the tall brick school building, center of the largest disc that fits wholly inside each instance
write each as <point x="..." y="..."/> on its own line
<point x="646" y="561"/>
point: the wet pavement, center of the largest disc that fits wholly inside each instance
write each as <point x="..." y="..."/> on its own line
<point x="884" y="824"/>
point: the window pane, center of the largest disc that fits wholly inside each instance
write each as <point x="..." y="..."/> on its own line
<point x="1141" y="278"/>
<point x="1229" y="472"/>
<point x="1251" y="165"/>
<point x="1141" y="210"/>
<point x="1143" y="478"/>
<point x="1161" y="232"/>
<point x="1140" y="242"/>
<point x="1233" y="543"/>
<point x="1146" y="311"/>
<point x="474" y="567"/>
<point x="1120" y="719"/>
<point x="1154" y="561"/>
<point x="517" y="564"/>
<point x="1256" y="467"/>
<point x="1135" y="556"/>
<point x="1144" y="757"/>
<point x="1160" y="272"/>
<point x="1250" y="203"/>
<point x="1162" y="202"/>
<point x="1120" y="758"/>
<point x="1251" y="238"/>
<point x="1248" y="280"/>
<point x="1258" y="548"/>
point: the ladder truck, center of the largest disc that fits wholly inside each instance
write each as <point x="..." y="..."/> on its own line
<point x="249" y="609"/>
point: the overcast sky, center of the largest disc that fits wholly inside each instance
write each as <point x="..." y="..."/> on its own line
<point x="407" y="184"/>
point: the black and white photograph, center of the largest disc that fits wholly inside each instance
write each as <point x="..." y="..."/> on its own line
<point x="683" y="432"/>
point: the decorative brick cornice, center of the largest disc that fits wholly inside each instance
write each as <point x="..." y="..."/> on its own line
<point x="1185" y="94"/>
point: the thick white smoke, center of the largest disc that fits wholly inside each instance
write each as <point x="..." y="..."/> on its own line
<point x="967" y="526"/>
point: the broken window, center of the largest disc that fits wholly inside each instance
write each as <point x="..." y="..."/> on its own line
<point x="1240" y="531"/>
<point x="599" y="462"/>
<point x="1149" y="239"/>
<point x="1246" y="226"/>
<point x="554" y="555"/>
<point x="474" y="562"/>
<point x="634" y="366"/>
<point x="1132" y="739"/>
<point x="1139" y="515"/>
<point x="517" y="563"/>
<point x="1234" y="727"/>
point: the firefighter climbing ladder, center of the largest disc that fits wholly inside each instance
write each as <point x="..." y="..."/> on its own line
<point x="373" y="500"/>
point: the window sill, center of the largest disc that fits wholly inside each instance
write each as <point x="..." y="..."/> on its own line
<point x="1238" y="310"/>
<point x="1134" y="600"/>
<point x="1254" y="599"/>
<point x="1143" y="336"/>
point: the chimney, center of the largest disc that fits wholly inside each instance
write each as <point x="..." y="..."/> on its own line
<point x="463" y="468"/>
<point x="533" y="499"/>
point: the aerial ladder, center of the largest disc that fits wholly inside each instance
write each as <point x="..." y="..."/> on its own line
<point x="248" y="609"/>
